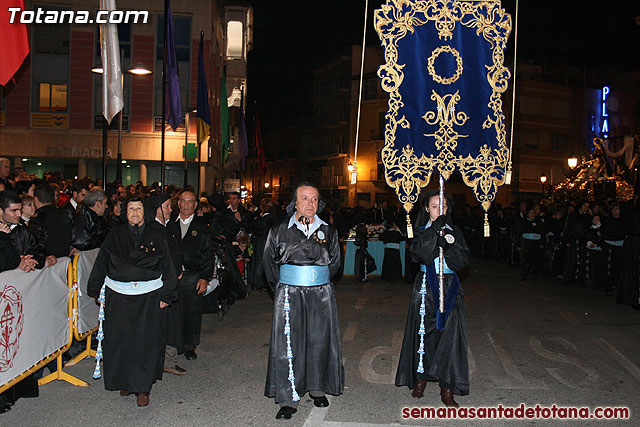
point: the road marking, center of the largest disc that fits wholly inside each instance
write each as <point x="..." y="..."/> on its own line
<point x="587" y="381"/>
<point x="360" y="303"/>
<point x="627" y="364"/>
<point x="366" y="362"/>
<point x="514" y="379"/>
<point x="350" y="332"/>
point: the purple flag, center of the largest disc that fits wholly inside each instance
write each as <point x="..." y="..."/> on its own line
<point x="173" y="105"/>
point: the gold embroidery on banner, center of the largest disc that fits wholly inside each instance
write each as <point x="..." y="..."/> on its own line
<point x="432" y="71"/>
<point x="404" y="170"/>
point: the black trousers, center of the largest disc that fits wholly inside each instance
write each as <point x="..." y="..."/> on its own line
<point x="192" y="309"/>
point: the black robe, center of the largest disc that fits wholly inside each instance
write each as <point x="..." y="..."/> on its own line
<point x="362" y="242"/>
<point x="532" y="251"/>
<point x="259" y="228"/>
<point x="392" y="263"/>
<point x="197" y="260"/>
<point x="134" y="333"/>
<point x="446" y="355"/>
<point x="315" y="334"/>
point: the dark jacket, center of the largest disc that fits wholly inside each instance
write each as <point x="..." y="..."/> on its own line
<point x="53" y="229"/>
<point x="25" y="243"/>
<point x="195" y="248"/>
<point x="9" y="258"/>
<point x="89" y="229"/>
<point x="69" y="211"/>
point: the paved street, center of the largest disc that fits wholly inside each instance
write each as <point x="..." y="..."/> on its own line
<point x="532" y="342"/>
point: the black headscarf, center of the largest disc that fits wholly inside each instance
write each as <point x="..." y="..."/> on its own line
<point x="151" y="205"/>
<point x="423" y="216"/>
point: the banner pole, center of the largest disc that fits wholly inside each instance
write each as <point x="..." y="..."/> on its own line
<point x="441" y="255"/>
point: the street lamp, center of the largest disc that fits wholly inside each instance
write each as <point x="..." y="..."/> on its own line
<point x="543" y="179"/>
<point x="350" y="167"/>
<point x="266" y="185"/>
<point x="136" y="70"/>
<point x="572" y="162"/>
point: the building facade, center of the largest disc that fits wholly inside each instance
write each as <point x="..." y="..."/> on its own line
<point x="51" y="115"/>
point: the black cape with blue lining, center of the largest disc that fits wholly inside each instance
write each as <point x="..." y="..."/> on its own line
<point x="446" y="356"/>
<point x="315" y="334"/>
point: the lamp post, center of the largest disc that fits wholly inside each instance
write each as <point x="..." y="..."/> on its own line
<point x="187" y="125"/>
<point x="572" y="162"/>
<point x="136" y="70"/>
<point x="543" y="179"/>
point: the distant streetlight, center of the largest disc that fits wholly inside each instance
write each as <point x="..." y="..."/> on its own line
<point x="572" y="162"/>
<point x="543" y="179"/>
<point x="266" y="185"/>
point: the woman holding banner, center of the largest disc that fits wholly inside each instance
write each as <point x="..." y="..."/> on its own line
<point x="435" y="344"/>
<point x="135" y="274"/>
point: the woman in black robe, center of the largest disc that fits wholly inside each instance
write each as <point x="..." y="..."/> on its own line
<point x="531" y="245"/>
<point x="436" y="350"/>
<point x="259" y="228"/>
<point x="392" y="263"/>
<point x="135" y="269"/>
<point x="360" y="261"/>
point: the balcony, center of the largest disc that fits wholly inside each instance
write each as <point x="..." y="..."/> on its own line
<point x="333" y="182"/>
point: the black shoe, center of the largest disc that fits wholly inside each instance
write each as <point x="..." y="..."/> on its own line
<point x="320" y="402"/>
<point x="190" y="355"/>
<point x="285" y="413"/>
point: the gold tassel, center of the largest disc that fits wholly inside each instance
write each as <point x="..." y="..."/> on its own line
<point x="409" y="228"/>
<point x="486" y="225"/>
<point x="507" y="176"/>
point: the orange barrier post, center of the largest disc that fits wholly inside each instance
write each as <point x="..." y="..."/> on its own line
<point x="88" y="351"/>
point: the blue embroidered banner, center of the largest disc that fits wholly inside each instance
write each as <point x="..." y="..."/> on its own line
<point x="444" y="74"/>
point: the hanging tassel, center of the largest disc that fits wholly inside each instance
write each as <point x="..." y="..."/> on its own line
<point x="507" y="176"/>
<point x="100" y="336"/>
<point x="409" y="228"/>
<point x="486" y="225"/>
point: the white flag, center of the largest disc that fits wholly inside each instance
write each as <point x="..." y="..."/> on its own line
<point x="112" y="99"/>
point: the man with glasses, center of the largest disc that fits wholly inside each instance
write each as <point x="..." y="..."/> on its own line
<point x="190" y="236"/>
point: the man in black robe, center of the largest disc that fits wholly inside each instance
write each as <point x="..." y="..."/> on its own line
<point x="135" y="277"/>
<point x="50" y="227"/>
<point x="392" y="263"/>
<point x="190" y="235"/>
<point x="157" y="208"/>
<point x="301" y="258"/>
<point x="435" y="344"/>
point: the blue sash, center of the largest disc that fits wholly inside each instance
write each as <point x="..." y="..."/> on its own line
<point x="392" y="245"/>
<point x="618" y="243"/>
<point x="531" y="236"/>
<point x="304" y="275"/>
<point x="449" y="298"/>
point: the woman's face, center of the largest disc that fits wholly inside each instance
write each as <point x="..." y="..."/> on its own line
<point x="433" y="207"/>
<point x="117" y="209"/>
<point x="135" y="213"/>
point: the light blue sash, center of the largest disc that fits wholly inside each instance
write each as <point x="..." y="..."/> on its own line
<point x="531" y="236"/>
<point x="304" y="275"/>
<point x="436" y="262"/>
<point x="618" y="243"/>
<point x="133" y="288"/>
<point x="392" y="245"/>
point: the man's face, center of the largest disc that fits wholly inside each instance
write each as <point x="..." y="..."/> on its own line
<point x="122" y="191"/>
<point x="5" y="169"/>
<point x="531" y="214"/>
<point x="12" y="214"/>
<point x="187" y="204"/>
<point x="307" y="199"/>
<point x="28" y="210"/>
<point x="164" y="210"/>
<point x="615" y="211"/>
<point x="100" y="207"/>
<point x="433" y="207"/>
<point x="80" y="196"/>
<point x="234" y="201"/>
<point x="584" y="208"/>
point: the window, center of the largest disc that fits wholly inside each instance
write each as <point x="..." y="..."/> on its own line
<point x="235" y="40"/>
<point x="382" y="122"/>
<point x="50" y="65"/>
<point x="182" y="34"/>
<point x="124" y="37"/>
<point x="53" y="97"/>
<point x="559" y="142"/>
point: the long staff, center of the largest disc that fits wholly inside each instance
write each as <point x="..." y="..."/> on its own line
<point x="441" y="258"/>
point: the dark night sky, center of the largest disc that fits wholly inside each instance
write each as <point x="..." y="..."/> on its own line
<point x="290" y="37"/>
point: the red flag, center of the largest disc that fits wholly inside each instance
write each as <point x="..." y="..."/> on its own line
<point x="14" y="44"/>
<point x="262" y="161"/>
